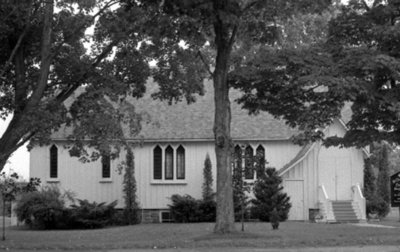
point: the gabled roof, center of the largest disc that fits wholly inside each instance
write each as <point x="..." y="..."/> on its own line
<point x="298" y="158"/>
<point x="195" y="121"/>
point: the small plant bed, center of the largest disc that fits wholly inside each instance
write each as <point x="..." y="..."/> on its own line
<point x="199" y="235"/>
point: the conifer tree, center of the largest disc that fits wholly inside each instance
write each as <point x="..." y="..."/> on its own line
<point x="129" y="189"/>
<point x="369" y="180"/>
<point x="383" y="175"/>
<point x="271" y="203"/>
<point x="208" y="193"/>
<point x="240" y="187"/>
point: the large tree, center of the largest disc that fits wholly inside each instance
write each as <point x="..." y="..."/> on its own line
<point x="209" y="38"/>
<point x="357" y="62"/>
<point x="43" y="61"/>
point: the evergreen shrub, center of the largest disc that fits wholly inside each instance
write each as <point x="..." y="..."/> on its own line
<point x="45" y="209"/>
<point x="42" y="209"/>
<point x="188" y="209"/>
<point x="207" y="210"/>
<point x="270" y="200"/>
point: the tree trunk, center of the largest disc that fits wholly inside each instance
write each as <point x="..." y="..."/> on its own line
<point x="17" y="132"/>
<point x="225" y="221"/>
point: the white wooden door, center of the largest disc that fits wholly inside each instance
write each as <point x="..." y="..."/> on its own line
<point x="335" y="175"/>
<point x="328" y="176"/>
<point x="295" y="190"/>
<point x="343" y="179"/>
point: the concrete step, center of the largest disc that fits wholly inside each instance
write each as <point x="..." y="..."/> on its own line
<point x="344" y="212"/>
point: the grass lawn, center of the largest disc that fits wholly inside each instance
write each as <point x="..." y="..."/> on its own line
<point x="257" y="235"/>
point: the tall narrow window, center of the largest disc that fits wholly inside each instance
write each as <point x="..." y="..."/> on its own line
<point x="249" y="163"/>
<point x="106" y="166"/>
<point x="169" y="163"/>
<point x="157" y="163"/>
<point x="180" y="162"/>
<point x="260" y="160"/>
<point x="53" y="162"/>
<point x="237" y="160"/>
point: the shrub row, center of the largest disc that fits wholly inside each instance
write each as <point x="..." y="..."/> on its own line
<point x="187" y="209"/>
<point x="46" y="209"/>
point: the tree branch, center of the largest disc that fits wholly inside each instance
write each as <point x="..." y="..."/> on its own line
<point x="45" y="56"/>
<point x="206" y="65"/>
<point x="233" y="36"/>
<point x="18" y="44"/>
<point x="82" y="26"/>
<point x="12" y="149"/>
<point x="366" y="5"/>
<point x="66" y="93"/>
<point x="248" y="6"/>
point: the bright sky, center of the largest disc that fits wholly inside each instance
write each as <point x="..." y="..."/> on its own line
<point x="19" y="161"/>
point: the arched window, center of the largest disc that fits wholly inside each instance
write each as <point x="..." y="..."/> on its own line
<point x="169" y="163"/>
<point x="53" y="162"/>
<point x="105" y="166"/>
<point x="237" y="158"/>
<point x="180" y="162"/>
<point x="157" y="163"/>
<point x="260" y="160"/>
<point x="249" y="163"/>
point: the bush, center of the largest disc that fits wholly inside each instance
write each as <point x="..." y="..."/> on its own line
<point x="88" y="215"/>
<point x="269" y="198"/>
<point x="377" y="206"/>
<point x="207" y="210"/>
<point x="42" y="209"/>
<point x="184" y="208"/>
<point x="187" y="209"/>
<point x="46" y="209"/>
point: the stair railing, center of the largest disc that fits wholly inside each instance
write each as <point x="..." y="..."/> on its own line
<point x="325" y="205"/>
<point x="359" y="201"/>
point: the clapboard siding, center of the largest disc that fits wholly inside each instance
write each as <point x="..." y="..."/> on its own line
<point x="315" y="169"/>
<point x="84" y="179"/>
<point x="311" y="170"/>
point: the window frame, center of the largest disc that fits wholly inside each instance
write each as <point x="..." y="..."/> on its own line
<point x="169" y="163"/>
<point x="53" y="161"/>
<point x="243" y="160"/>
<point x="106" y="164"/>
<point x="164" y="180"/>
<point x="180" y="163"/>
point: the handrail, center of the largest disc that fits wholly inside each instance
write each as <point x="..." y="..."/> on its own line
<point x="359" y="199"/>
<point x="326" y="204"/>
<point x="325" y="194"/>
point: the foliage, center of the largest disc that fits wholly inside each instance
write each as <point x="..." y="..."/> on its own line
<point x="9" y="189"/>
<point x="383" y="180"/>
<point x="193" y="40"/>
<point x="129" y="189"/>
<point x="46" y="209"/>
<point x="240" y="187"/>
<point x="207" y="210"/>
<point x="208" y="193"/>
<point x="49" y="79"/>
<point x="377" y="190"/>
<point x="42" y="209"/>
<point x="369" y="180"/>
<point x="184" y="208"/>
<point x="89" y="215"/>
<point x="376" y="205"/>
<point x="187" y="209"/>
<point x="269" y="198"/>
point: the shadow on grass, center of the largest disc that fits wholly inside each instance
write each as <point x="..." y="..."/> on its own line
<point x="233" y="236"/>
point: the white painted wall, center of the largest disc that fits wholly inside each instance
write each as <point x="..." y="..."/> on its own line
<point x="336" y="168"/>
<point x="84" y="179"/>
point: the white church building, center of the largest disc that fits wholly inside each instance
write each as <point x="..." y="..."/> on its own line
<point x="171" y="158"/>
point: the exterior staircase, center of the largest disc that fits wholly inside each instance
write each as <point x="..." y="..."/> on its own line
<point x="344" y="211"/>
